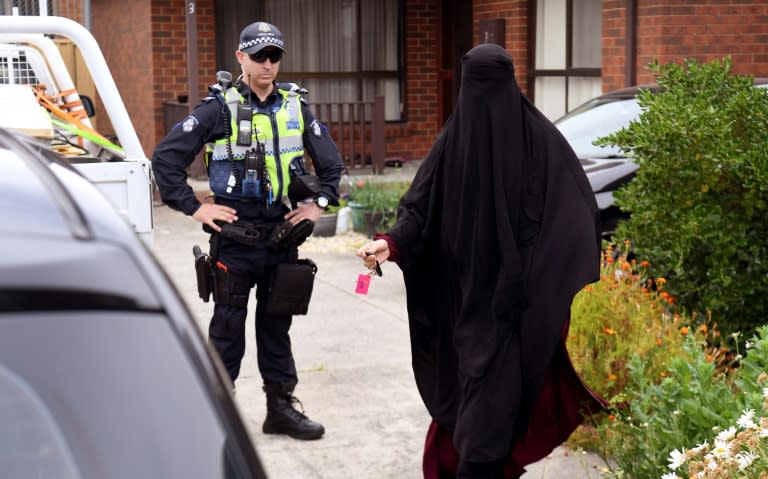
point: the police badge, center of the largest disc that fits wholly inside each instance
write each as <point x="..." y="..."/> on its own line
<point x="316" y="128"/>
<point x="189" y="124"/>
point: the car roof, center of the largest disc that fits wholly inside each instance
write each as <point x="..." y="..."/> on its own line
<point x="631" y="91"/>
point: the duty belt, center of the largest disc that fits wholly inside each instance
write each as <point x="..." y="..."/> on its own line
<point x="248" y="234"/>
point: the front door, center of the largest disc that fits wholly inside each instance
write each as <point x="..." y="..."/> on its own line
<point x="455" y="41"/>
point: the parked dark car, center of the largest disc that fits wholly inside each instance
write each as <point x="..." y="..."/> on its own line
<point x="103" y="372"/>
<point x="607" y="168"/>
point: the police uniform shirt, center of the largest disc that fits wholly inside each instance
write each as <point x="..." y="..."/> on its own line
<point x="206" y="124"/>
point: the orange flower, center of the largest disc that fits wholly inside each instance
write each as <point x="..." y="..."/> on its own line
<point x="625" y="266"/>
<point x="684" y="330"/>
<point x="644" y="264"/>
<point x="664" y="294"/>
<point x="671" y="299"/>
<point x="659" y="342"/>
<point x="709" y="358"/>
<point x="703" y="328"/>
<point x="611" y="417"/>
<point x="609" y="331"/>
<point x="661" y="281"/>
<point x="612" y="377"/>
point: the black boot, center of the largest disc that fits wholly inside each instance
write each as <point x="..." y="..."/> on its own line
<point x="283" y="418"/>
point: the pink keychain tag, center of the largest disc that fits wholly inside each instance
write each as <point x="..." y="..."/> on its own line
<point x="363" y="281"/>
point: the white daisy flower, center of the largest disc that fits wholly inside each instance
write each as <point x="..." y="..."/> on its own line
<point x="701" y="447"/>
<point x="721" y="449"/>
<point x="676" y="459"/>
<point x="727" y="435"/>
<point x="745" y="459"/>
<point x="747" y="420"/>
<point x="762" y="432"/>
<point x="670" y="475"/>
<point x="765" y="393"/>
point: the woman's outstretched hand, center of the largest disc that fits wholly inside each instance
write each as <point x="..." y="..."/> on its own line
<point x="373" y="252"/>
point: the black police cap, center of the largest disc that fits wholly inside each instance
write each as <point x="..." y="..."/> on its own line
<point x="259" y="35"/>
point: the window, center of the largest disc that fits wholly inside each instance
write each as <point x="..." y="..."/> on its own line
<point x="342" y="50"/>
<point x="568" y="54"/>
<point x="26" y="7"/>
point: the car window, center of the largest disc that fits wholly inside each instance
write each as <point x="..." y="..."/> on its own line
<point x="118" y="388"/>
<point x="594" y="120"/>
<point x="18" y="181"/>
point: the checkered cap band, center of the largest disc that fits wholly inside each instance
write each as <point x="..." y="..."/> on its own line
<point x="265" y="40"/>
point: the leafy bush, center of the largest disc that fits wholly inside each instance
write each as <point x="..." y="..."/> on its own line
<point x="619" y="316"/>
<point x="682" y="408"/>
<point x="699" y="202"/>
<point x="737" y="444"/>
<point x="616" y="318"/>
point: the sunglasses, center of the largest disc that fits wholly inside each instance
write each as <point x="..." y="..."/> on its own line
<point x="262" y="55"/>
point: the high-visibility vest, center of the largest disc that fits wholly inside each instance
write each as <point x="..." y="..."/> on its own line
<point x="279" y="127"/>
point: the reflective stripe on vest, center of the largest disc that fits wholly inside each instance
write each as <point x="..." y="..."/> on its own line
<point x="285" y="119"/>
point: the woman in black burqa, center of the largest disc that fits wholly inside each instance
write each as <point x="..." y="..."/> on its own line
<point x="497" y="233"/>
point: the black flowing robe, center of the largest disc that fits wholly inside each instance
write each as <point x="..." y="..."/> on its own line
<point x="497" y="233"/>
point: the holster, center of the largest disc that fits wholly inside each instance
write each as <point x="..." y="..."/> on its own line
<point x="288" y="235"/>
<point x="213" y="277"/>
<point x="204" y="273"/>
<point x="290" y="288"/>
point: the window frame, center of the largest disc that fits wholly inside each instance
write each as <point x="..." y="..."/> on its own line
<point x="565" y="73"/>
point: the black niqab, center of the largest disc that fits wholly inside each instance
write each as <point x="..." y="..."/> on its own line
<point x="497" y="233"/>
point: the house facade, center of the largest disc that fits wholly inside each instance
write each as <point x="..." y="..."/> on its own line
<point x="409" y="51"/>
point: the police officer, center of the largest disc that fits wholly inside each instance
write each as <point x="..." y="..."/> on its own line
<point x="257" y="132"/>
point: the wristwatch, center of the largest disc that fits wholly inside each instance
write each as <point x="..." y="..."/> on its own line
<point x="322" y="202"/>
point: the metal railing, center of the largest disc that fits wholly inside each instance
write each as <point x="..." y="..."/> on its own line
<point x="358" y="130"/>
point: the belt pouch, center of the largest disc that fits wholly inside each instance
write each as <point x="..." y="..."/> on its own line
<point x="290" y="288"/>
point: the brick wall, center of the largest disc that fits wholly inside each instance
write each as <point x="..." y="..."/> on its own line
<point x="414" y="137"/>
<point x="169" y="55"/>
<point x="614" y="44"/>
<point x="515" y="14"/>
<point x="122" y="30"/>
<point x="144" y="43"/>
<point x="670" y="31"/>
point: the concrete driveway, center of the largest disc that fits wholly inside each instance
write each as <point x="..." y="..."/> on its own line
<point x="353" y="356"/>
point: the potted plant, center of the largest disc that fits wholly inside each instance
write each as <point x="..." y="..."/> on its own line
<point x="374" y="204"/>
<point x="326" y="225"/>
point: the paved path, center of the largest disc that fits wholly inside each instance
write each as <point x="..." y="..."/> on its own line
<point x="352" y="352"/>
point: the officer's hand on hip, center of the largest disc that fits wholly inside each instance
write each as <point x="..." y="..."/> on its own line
<point x="210" y="212"/>
<point x="372" y="252"/>
<point x="308" y="210"/>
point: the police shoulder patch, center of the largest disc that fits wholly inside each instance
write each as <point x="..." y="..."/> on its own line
<point x="189" y="124"/>
<point x="316" y="128"/>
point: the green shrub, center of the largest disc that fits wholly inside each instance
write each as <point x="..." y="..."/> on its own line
<point x="699" y="202"/>
<point x="660" y="416"/>
<point x="618" y="317"/>
<point x="736" y="446"/>
<point x="614" y="319"/>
